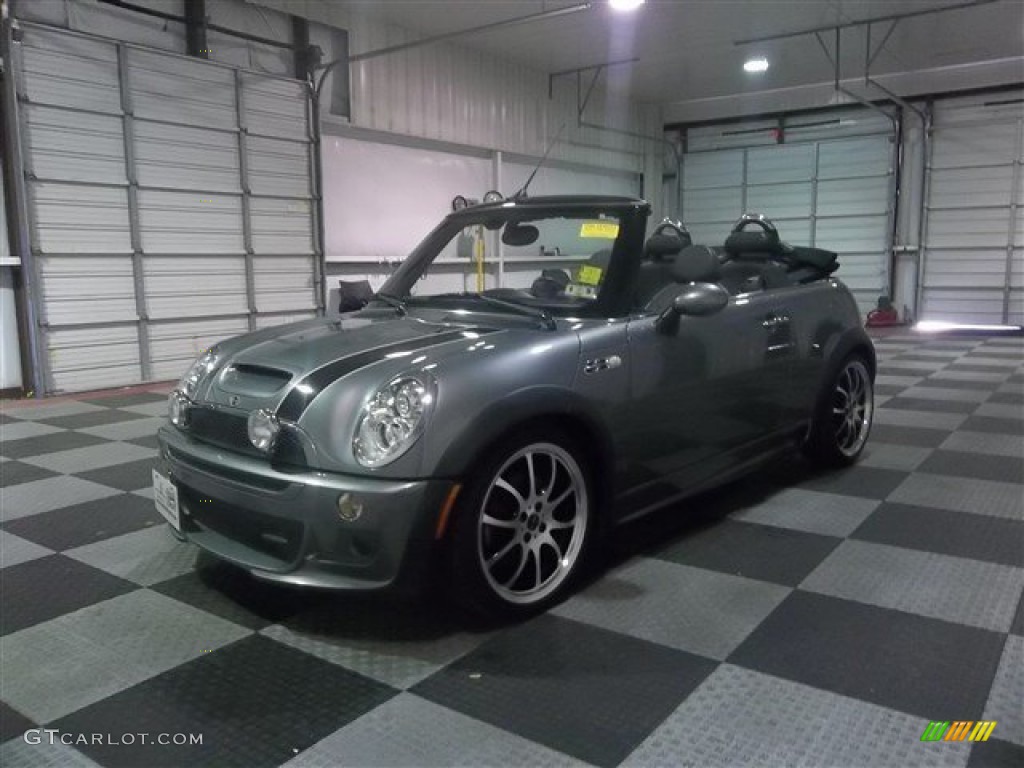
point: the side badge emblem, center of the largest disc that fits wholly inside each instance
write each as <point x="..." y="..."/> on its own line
<point x="602" y="364"/>
<point x="233" y="400"/>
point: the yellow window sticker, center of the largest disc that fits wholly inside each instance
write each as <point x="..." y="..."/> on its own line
<point x="607" y="230"/>
<point x="589" y="275"/>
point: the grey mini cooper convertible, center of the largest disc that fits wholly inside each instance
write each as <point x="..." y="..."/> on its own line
<point x="498" y="433"/>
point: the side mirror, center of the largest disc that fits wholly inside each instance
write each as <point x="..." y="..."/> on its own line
<point x="695" y="300"/>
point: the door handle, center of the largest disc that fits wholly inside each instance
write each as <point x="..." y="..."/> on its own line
<point x="774" y="321"/>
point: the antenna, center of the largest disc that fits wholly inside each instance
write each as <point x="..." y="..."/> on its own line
<point x="521" y="194"/>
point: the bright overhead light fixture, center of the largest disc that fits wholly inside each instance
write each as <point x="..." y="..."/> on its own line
<point x="759" y="64"/>
<point x="625" y="5"/>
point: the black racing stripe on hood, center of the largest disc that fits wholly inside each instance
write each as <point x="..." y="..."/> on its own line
<point x="306" y="391"/>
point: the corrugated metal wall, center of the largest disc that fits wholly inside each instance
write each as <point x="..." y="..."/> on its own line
<point x="974" y="238"/>
<point x="170" y="204"/>
<point x="829" y="185"/>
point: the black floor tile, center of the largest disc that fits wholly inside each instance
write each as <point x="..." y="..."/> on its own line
<point x="584" y="691"/>
<point x="888" y="389"/>
<point x="996" y="753"/>
<point x="866" y="482"/>
<point x="916" y="436"/>
<point x="126" y="400"/>
<point x="992" y="424"/>
<point x="40" y="590"/>
<point x="948" y="356"/>
<point x="12" y="723"/>
<point x="15" y="473"/>
<point x="1017" y="627"/>
<point x="149" y="441"/>
<point x="932" y="406"/>
<point x="965" y="366"/>
<point x="910" y="663"/>
<point x="92" y="419"/>
<point x="1008" y="398"/>
<point x="130" y="476"/>
<point x="233" y="594"/>
<point x="979" y="537"/>
<point x="1004" y="469"/>
<point x="888" y="369"/>
<point x="255" y="702"/>
<point x="973" y="386"/>
<point x="767" y="553"/>
<point x="81" y="524"/>
<point x="37" y="446"/>
<point x="6" y="418"/>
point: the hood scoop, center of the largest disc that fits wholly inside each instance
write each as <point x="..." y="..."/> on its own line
<point x="254" y="380"/>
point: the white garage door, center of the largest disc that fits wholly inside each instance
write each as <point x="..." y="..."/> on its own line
<point x="974" y="237"/>
<point x="830" y="185"/>
<point x="170" y="205"/>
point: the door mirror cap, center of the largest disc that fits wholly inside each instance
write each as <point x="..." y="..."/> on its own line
<point x="699" y="299"/>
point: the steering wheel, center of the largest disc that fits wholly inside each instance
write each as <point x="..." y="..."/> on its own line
<point x="756" y="218"/>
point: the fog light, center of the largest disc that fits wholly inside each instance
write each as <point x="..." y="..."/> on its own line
<point x="263" y="429"/>
<point x="349" y="509"/>
<point x="177" y="409"/>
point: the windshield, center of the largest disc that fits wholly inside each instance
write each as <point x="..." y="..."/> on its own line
<point x="536" y="263"/>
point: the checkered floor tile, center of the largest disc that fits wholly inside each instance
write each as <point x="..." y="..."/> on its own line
<point x="795" y="618"/>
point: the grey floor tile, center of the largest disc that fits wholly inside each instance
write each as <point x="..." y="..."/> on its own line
<point x="676" y="605"/>
<point x="968" y="376"/>
<point x="91" y="457"/>
<point x="129" y="476"/>
<point x="976" y="395"/>
<point x="149" y="409"/>
<point x="904" y="458"/>
<point x="953" y="589"/>
<point x="860" y="481"/>
<point x="144" y="557"/>
<point x="1006" y="701"/>
<point x="55" y="442"/>
<point x="93" y="419"/>
<point x="410" y="732"/>
<point x="995" y="424"/>
<point x="982" y="361"/>
<point x="53" y="410"/>
<point x="961" y="494"/>
<point x="1000" y="411"/>
<point x="45" y="495"/>
<point x="991" y="443"/>
<point x="57" y="667"/>
<point x="739" y="717"/>
<point x="19" y="754"/>
<point x="15" y="550"/>
<point x="829" y="514"/>
<point x="125" y="399"/>
<point x="14" y="472"/>
<point x="127" y="430"/>
<point x="921" y="419"/>
<point x="19" y="430"/>
<point x="1004" y="469"/>
<point x="896" y="381"/>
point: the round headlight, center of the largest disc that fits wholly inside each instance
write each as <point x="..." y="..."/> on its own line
<point x="392" y="420"/>
<point x="263" y="427"/>
<point x="203" y="365"/>
<point x="177" y="409"/>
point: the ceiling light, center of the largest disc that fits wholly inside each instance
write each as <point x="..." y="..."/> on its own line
<point x="755" y="65"/>
<point x="625" y="5"/>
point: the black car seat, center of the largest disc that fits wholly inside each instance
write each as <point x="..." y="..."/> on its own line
<point x="551" y="284"/>
<point x="660" y="252"/>
<point x="696" y="264"/>
<point x="750" y="257"/>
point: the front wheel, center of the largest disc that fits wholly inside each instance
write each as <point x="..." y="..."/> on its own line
<point x="523" y="526"/>
<point x="843" y="419"/>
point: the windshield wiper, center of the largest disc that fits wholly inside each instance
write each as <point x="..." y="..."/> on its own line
<point x="541" y="314"/>
<point x="392" y="301"/>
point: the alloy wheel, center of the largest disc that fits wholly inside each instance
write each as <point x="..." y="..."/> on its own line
<point x="852" y="408"/>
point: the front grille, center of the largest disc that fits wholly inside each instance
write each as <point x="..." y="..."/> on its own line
<point x="276" y="537"/>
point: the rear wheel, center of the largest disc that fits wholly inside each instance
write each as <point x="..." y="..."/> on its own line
<point x="523" y="526"/>
<point x="842" y="423"/>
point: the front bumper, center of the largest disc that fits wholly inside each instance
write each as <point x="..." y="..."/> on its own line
<point x="284" y="526"/>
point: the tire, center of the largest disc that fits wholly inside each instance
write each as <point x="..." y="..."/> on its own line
<point x="841" y="423"/>
<point x="514" y="553"/>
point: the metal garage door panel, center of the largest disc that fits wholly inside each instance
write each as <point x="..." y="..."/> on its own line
<point x="964" y="306"/>
<point x="281" y="225"/>
<point x="172" y="289"/>
<point x="274" y="107"/>
<point x="79" y="290"/>
<point x="278" y="167"/>
<point x="175" y="344"/>
<point x="78" y="219"/>
<point x="283" y="283"/>
<point x="781" y="201"/>
<point x="771" y="165"/>
<point x="93" y="358"/>
<point x="711" y="205"/>
<point x="71" y="71"/>
<point x="702" y="170"/>
<point x="978" y="267"/>
<point x="856" y="234"/>
<point x="980" y="228"/>
<point x="174" y="89"/>
<point x="183" y="222"/>
<point x="186" y="158"/>
<point x="853" y="197"/>
<point x="270" y="321"/>
<point x="853" y="158"/>
<point x="73" y="146"/>
<point x="975" y="145"/>
<point x="970" y="187"/>
<point x="794" y="231"/>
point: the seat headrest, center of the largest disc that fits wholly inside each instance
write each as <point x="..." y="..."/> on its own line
<point x="696" y="264"/>
<point x="753" y="245"/>
<point x="600" y="258"/>
<point x="663" y="246"/>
